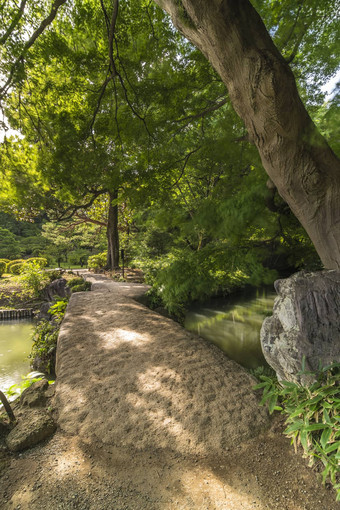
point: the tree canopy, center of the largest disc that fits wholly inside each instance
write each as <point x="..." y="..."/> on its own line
<point x="126" y="125"/>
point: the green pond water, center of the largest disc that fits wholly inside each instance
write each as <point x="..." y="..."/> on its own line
<point x="15" y="346"/>
<point x="234" y="325"/>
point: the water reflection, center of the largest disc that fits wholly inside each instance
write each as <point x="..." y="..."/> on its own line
<point x="15" y="346"/>
<point x="234" y="324"/>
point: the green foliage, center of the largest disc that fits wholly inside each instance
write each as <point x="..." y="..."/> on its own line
<point x="3" y="265"/>
<point x="97" y="261"/>
<point x="16" y="268"/>
<point x="40" y="262"/>
<point x="13" y="263"/>
<point x="196" y="209"/>
<point x="45" y="338"/>
<point x="85" y="286"/>
<point x="55" y="274"/>
<point x="312" y="417"/>
<point x="75" y="281"/>
<point x="33" y="278"/>
<point x="58" y="309"/>
<point x="79" y="285"/>
<point x="9" y="245"/>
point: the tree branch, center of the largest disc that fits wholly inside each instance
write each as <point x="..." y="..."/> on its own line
<point x="43" y="25"/>
<point x="14" y="23"/>
<point x="212" y="108"/>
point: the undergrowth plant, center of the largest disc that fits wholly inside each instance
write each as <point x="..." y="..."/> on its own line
<point x="33" y="278"/>
<point x="45" y="337"/>
<point x="312" y="417"/>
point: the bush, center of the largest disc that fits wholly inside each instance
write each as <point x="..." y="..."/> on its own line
<point x="97" y="261"/>
<point x="33" y="278"/>
<point x="17" y="268"/>
<point x="54" y="275"/>
<point x="75" y="281"/>
<point x="14" y="263"/>
<point x="85" y="286"/>
<point x="2" y="267"/>
<point x="312" y="417"/>
<point x="45" y="338"/>
<point x="38" y="261"/>
<point x="58" y="309"/>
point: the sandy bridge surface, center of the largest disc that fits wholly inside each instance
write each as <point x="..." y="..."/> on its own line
<point x="153" y="417"/>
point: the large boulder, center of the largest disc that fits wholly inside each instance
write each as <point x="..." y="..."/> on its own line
<point x="56" y="288"/>
<point x="36" y="426"/>
<point x="305" y="325"/>
<point x="34" y="396"/>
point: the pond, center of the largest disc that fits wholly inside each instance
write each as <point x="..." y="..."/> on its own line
<point x="15" y="346"/>
<point x="234" y="324"/>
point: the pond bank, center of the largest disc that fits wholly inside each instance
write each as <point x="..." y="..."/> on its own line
<point x="152" y="417"/>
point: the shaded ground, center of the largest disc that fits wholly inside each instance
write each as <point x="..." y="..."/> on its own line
<point x="152" y="417"/>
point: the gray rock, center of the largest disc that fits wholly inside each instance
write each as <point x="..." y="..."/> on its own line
<point x="43" y="311"/>
<point x="305" y="324"/>
<point x="56" y="288"/>
<point x="36" y="426"/>
<point x="34" y="396"/>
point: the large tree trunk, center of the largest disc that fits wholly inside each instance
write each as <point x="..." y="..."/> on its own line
<point x="263" y="92"/>
<point x="112" y="233"/>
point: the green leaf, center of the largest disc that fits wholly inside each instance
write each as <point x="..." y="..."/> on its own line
<point x="316" y="426"/>
<point x="332" y="447"/>
<point x="326" y="434"/>
<point x="304" y="440"/>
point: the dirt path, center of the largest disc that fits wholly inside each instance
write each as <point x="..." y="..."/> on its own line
<point x="152" y="417"/>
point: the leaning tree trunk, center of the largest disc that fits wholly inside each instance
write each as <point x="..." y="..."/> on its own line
<point x="263" y="92"/>
<point x="112" y="233"/>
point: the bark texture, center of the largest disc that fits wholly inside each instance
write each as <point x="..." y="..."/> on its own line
<point x="112" y="233"/>
<point x="305" y="324"/>
<point x="263" y="92"/>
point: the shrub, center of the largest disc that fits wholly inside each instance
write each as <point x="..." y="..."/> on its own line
<point x="17" y="268"/>
<point x="45" y="338"/>
<point x="312" y="417"/>
<point x="33" y="278"/>
<point x="85" y="286"/>
<point x="58" y="309"/>
<point x="14" y="263"/>
<point x="2" y="267"/>
<point x="39" y="261"/>
<point x="54" y="275"/>
<point x="97" y="261"/>
<point x="75" y="281"/>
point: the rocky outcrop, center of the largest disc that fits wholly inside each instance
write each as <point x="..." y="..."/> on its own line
<point x="56" y="288"/>
<point x="37" y="426"/>
<point x="34" y="396"/>
<point x="34" y="422"/>
<point x="305" y="325"/>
